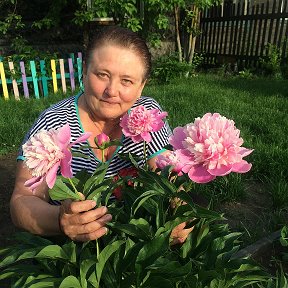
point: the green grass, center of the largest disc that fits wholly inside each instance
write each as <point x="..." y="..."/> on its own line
<point x="17" y="117"/>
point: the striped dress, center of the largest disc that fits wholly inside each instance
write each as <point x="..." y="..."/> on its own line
<point x="66" y="111"/>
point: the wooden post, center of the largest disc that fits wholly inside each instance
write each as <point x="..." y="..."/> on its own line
<point x="54" y="77"/>
<point x="4" y="83"/>
<point x="24" y="80"/>
<point x="71" y="74"/>
<point x="44" y="78"/>
<point x="14" y="82"/>
<point x="34" y="79"/>
<point x="62" y="73"/>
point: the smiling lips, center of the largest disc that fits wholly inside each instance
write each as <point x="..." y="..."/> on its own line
<point x="110" y="102"/>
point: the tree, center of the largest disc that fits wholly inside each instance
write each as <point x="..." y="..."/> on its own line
<point x="150" y="18"/>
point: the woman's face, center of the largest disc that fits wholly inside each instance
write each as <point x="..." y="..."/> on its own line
<point x="113" y="81"/>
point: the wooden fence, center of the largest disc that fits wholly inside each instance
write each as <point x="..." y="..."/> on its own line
<point x="241" y="32"/>
<point x="37" y="82"/>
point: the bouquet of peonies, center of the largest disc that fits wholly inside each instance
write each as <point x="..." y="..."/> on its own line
<point x="137" y="251"/>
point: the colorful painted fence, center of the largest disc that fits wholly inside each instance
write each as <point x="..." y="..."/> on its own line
<point x="38" y="78"/>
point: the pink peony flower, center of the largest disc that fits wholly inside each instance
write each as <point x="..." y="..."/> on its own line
<point x="140" y="122"/>
<point x="101" y="140"/>
<point x="172" y="158"/>
<point x="212" y="146"/>
<point x="46" y="151"/>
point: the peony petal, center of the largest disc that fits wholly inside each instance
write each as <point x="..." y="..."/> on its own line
<point x="223" y="170"/>
<point x="157" y="126"/>
<point x="187" y="167"/>
<point x="35" y="185"/>
<point x="244" y="151"/>
<point x="146" y="136"/>
<point x="34" y="182"/>
<point x="199" y="174"/>
<point x="51" y="175"/>
<point x="184" y="156"/>
<point x="136" y="138"/>
<point x="65" y="164"/>
<point x="177" y="138"/>
<point x="63" y="136"/>
<point x="241" y="167"/>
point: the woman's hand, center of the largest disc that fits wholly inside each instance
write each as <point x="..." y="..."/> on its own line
<point x="179" y="234"/>
<point x="80" y="222"/>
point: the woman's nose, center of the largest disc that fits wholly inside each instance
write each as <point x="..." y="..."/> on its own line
<point x="111" y="88"/>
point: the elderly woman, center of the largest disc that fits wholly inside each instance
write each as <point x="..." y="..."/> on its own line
<point x="116" y="68"/>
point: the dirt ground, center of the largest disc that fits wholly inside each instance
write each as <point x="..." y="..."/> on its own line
<point x="7" y="179"/>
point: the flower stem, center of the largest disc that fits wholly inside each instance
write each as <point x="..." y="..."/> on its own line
<point x="72" y="184"/>
<point x="102" y="154"/>
<point x="97" y="249"/>
<point x="145" y="156"/>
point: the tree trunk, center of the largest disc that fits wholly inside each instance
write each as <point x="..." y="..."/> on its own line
<point x="192" y="39"/>
<point x="177" y="31"/>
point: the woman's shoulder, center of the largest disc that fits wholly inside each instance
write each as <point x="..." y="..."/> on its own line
<point x="58" y="114"/>
<point x="64" y="104"/>
<point x="147" y="102"/>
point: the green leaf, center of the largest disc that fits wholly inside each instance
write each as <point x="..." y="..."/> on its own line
<point x="160" y="214"/>
<point x="143" y="198"/>
<point x="70" y="282"/>
<point x="163" y="183"/>
<point x="80" y="179"/>
<point x="85" y="266"/>
<point x="20" y="269"/>
<point x="98" y="189"/>
<point x="96" y="178"/>
<point x="133" y="158"/>
<point x="151" y="252"/>
<point x="170" y="269"/>
<point x="53" y="252"/>
<point x="141" y="224"/>
<point x="61" y="192"/>
<point x="80" y="155"/>
<point x="31" y="239"/>
<point x="41" y="281"/>
<point x="105" y="255"/>
<point x="70" y="250"/>
<point x="17" y="255"/>
<point x="92" y="280"/>
<point x="159" y="282"/>
<point x="130" y="256"/>
<point x="130" y="229"/>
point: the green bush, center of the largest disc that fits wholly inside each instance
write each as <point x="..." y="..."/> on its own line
<point x="168" y="67"/>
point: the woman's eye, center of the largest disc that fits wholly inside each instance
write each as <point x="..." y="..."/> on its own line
<point x="102" y="75"/>
<point x="126" y="82"/>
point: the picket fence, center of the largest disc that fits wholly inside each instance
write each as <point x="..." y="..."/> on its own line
<point x="37" y="84"/>
<point x="241" y="31"/>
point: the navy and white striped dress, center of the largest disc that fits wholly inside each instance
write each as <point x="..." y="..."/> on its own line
<point x="66" y="111"/>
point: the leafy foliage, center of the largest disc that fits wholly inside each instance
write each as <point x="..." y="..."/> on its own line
<point x="136" y="252"/>
<point x="167" y="68"/>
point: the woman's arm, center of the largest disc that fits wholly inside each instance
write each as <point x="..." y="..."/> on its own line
<point x="32" y="212"/>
